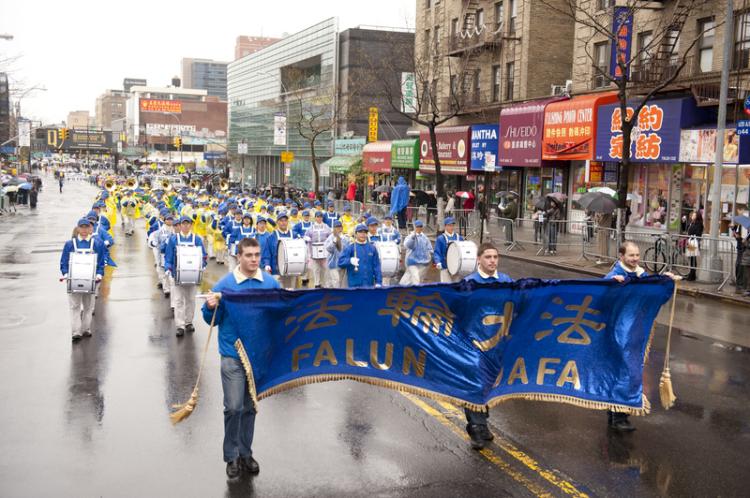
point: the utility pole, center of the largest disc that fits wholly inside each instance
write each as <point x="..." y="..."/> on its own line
<point x="715" y="260"/>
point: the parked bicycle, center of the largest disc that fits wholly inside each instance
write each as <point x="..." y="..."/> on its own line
<point x="665" y="256"/>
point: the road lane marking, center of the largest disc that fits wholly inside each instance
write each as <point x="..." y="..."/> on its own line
<point x="549" y="475"/>
<point x="487" y="453"/>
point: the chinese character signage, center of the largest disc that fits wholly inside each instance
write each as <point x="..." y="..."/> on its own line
<point x="405" y="154"/>
<point x="154" y="105"/>
<point x="376" y="157"/>
<point x="408" y="93"/>
<point x="484" y="148"/>
<point x="570" y="127"/>
<point x="476" y="344"/>
<point x="656" y="131"/>
<point x="522" y="127"/>
<point x="622" y="28"/>
<point x="348" y="146"/>
<point x="372" y="128"/>
<point x="453" y="145"/>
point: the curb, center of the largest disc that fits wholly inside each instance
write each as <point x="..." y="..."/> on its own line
<point x="682" y="290"/>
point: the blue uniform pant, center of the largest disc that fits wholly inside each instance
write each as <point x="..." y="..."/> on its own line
<point x="239" y="415"/>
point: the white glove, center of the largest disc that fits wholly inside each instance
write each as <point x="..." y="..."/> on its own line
<point x="307" y="239"/>
<point x="354" y="261"/>
<point x="168" y="273"/>
<point x="377" y="286"/>
<point x="268" y="269"/>
<point x="98" y="278"/>
<point x="438" y="266"/>
<point x="64" y="278"/>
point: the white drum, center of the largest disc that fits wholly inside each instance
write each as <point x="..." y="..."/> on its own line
<point x="461" y="257"/>
<point x="389" y="258"/>
<point x="189" y="265"/>
<point x="82" y="273"/>
<point x="318" y="251"/>
<point x="291" y="256"/>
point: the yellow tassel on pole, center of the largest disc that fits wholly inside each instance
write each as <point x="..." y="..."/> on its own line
<point x="186" y="409"/>
<point x="666" y="392"/>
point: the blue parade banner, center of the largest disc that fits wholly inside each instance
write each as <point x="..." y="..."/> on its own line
<point x="581" y="342"/>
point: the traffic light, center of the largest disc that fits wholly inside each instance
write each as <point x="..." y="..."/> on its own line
<point x="63" y="132"/>
<point x="178" y="142"/>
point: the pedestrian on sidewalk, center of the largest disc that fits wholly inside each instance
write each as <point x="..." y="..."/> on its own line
<point x="745" y="263"/>
<point x="603" y="227"/>
<point x="739" y="275"/>
<point x="692" y="249"/>
<point x="552" y="214"/>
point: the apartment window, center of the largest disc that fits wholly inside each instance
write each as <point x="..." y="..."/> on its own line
<point x="601" y="61"/>
<point x="498" y="16"/>
<point x="513" y="13"/>
<point x="454" y="27"/>
<point x="706" y="44"/>
<point x="742" y="41"/>
<point x="477" y="86"/>
<point x="645" y="48"/>
<point x="436" y="42"/>
<point x="426" y="45"/>
<point x="496" y="83"/>
<point x="427" y="4"/>
<point x="509" y="83"/>
<point x="480" y="18"/>
<point x="672" y="45"/>
<point x="604" y="4"/>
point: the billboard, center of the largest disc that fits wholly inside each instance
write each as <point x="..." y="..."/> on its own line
<point x="484" y="148"/>
<point x="158" y="105"/>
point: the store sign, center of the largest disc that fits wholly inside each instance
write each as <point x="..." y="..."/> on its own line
<point x="214" y="155"/>
<point x="242" y="148"/>
<point x="699" y="146"/>
<point x="622" y="27"/>
<point x="156" y="105"/>
<point x="484" y="148"/>
<point x="570" y="125"/>
<point x="405" y="154"/>
<point x="168" y="129"/>
<point x="376" y="157"/>
<point x="24" y="133"/>
<point x="521" y="138"/>
<point x="348" y="146"/>
<point x="372" y="130"/>
<point x="279" y="129"/>
<point x="408" y="93"/>
<point x="453" y="145"/>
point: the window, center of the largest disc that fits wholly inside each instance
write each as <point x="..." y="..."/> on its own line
<point x="477" y="86"/>
<point x="495" y="83"/>
<point x="742" y="41"/>
<point x="454" y="28"/>
<point x="436" y="42"/>
<point x="672" y="45"/>
<point x="509" y="83"/>
<point x="427" y="4"/>
<point x="498" y="16"/>
<point x="513" y="14"/>
<point x="645" y="48"/>
<point x="604" y="4"/>
<point x="601" y="62"/>
<point x="706" y="44"/>
<point x="454" y="85"/>
<point x="426" y="45"/>
<point x="480" y="19"/>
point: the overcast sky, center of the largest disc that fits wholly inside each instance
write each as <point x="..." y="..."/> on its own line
<point x="78" y="49"/>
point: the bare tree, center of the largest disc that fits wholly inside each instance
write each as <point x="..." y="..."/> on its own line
<point x="648" y="70"/>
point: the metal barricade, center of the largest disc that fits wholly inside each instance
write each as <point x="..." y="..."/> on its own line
<point x="598" y="242"/>
<point x="704" y="259"/>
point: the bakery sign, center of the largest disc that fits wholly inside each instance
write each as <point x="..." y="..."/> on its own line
<point x="453" y="148"/>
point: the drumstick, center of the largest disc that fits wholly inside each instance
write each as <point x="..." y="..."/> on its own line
<point x="206" y="296"/>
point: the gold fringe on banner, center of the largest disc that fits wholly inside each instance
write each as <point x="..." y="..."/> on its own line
<point x="245" y="360"/>
<point x="645" y="408"/>
<point x="666" y="392"/>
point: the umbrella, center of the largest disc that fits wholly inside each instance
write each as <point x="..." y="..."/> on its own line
<point x="634" y="197"/>
<point x="16" y="181"/>
<point x="25" y="186"/>
<point x="540" y="203"/>
<point x="465" y="195"/>
<point x="604" y="190"/>
<point x="598" y="202"/>
<point x="742" y="220"/>
<point x="382" y="188"/>
<point x="558" y="197"/>
<point x="505" y="193"/>
<point x="9" y="189"/>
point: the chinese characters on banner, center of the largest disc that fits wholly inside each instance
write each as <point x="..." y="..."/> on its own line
<point x="622" y="28"/>
<point x="645" y="139"/>
<point x="153" y="105"/>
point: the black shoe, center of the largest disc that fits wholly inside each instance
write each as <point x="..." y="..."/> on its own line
<point x="87" y="333"/>
<point x="166" y="294"/>
<point x="77" y="337"/>
<point x="233" y="468"/>
<point x="249" y="464"/>
<point x="180" y="331"/>
<point x="159" y="285"/>
<point x="475" y="433"/>
<point x="189" y="328"/>
<point x="317" y="286"/>
<point x="485" y="433"/>
<point x="619" y="422"/>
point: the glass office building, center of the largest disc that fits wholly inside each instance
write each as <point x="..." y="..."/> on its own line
<point x="294" y="76"/>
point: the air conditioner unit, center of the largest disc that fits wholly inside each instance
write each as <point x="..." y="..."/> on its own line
<point x="558" y="90"/>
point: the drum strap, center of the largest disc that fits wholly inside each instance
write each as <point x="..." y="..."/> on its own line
<point x="189" y="242"/>
<point x="83" y="250"/>
<point x="285" y="235"/>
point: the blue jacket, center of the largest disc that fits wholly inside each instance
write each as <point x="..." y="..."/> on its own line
<point x="441" y="248"/>
<point x="418" y="249"/>
<point x="333" y="253"/>
<point x="368" y="272"/>
<point x="264" y="239"/>
<point x="228" y="335"/>
<point x="399" y="196"/>
<point x="301" y="228"/>
<point x="374" y="238"/>
<point x="619" y="269"/>
<point x="329" y="218"/>
<point x="389" y="235"/>
<point x="69" y="247"/>
<point x="170" y="253"/>
<point x="240" y="232"/>
<point x="270" y="257"/>
<point x="476" y="277"/>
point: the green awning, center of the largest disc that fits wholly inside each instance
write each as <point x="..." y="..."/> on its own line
<point x="341" y="164"/>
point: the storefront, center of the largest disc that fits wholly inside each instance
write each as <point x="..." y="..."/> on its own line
<point x="376" y="161"/>
<point x="656" y="175"/>
<point x="405" y="159"/>
<point x="483" y="162"/>
<point x="453" y="145"/>
<point x="568" y="144"/>
<point x="346" y="153"/>
<point x="520" y="154"/>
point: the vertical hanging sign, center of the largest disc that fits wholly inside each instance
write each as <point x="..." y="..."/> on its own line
<point x="372" y="135"/>
<point x="622" y="28"/>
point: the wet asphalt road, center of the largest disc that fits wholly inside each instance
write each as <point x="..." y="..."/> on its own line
<point x="92" y="419"/>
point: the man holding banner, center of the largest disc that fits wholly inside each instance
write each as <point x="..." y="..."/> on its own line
<point x="239" y="412"/>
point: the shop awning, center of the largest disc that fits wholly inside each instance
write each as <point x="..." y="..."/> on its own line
<point x="522" y="130"/>
<point x="376" y="157"/>
<point x="405" y="154"/>
<point x="453" y="144"/>
<point x="570" y="127"/>
<point x="340" y="164"/>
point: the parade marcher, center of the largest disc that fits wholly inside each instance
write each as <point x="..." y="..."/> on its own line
<point x="128" y="213"/>
<point x="165" y="232"/>
<point x="239" y="414"/>
<point x="400" y="201"/>
<point x="184" y="295"/>
<point x="348" y="221"/>
<point x="627" y="267"/>
<point x="476" y="421"/>
<point x="82" y="304"/>
<point x="418" y="255"/>
<point x="238" y="232"/>
<point x="388" y="232"/>
<point x="335" y="245"/>
<point x="439" y="257"/>
<point x="316" y="237"/>
<point x="330" y="215"/>
<point x="303" y="225"/>
<point x="262" y="235"/>
<point x="361" y="261"/>
<point x="269" y="259"/>
<point x="372" y="230"/>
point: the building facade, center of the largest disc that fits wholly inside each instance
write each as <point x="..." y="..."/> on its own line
<point x="246" y="45"/>
<point x="78" y="119"/>
<point x="5" y="116"/>
<point x="205" y="74"/>
<point x="110" y="106"/>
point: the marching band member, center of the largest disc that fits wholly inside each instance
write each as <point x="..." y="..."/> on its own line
<point x="330" y="215"/>
<point x="372" y="230"/>
<point x="81" y="305"/>
<point x="441" y="249"/>
<point x="262" y="235"/>
<point x="220" y="246"/>
<point x="270" y="260"/>
<point x="316" y="237"/>
<point x="154" y="224"/>
<point x="128" y="213"/>
<point x="476" y="421"/>
<point x="199" y="226"/>
<point x="361" y="261"/>
<point x="388" y="232"/>
<point x="294" y="217"/>
<point x="303" y="225"/>
<point x="238" y="228"/>
<point x="184" y="295"/>
<point x="165" y="232"/>
<point x="334" y="245"/>
<point x="348" y="221"/>
<point x="239" y="415"/>
<point x="418" y="249"/>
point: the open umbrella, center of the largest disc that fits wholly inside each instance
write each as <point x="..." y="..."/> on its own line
<point x="598" y="202"/>
<point x="558" y="197"/>
<point x="743" y="221"/>
<point x="540" y="203"/>
<point x="16" y="181"/>
<point x="25" y="186"/>
<point x="9" y="189"/>
<point x="604" y="190"/>
<point x="382" y="188"/>
<point x="465" y="195"/>
<point x="505" y="193"/>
